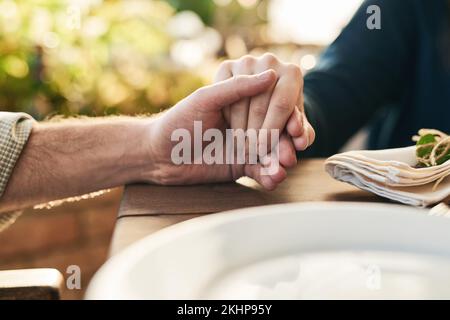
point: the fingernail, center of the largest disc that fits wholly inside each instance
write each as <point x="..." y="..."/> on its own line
<point x="303" y="141"/>
<point x="300" y="119"/>
<point x="306" y="133"/>
<point x="265" y="161"/>
<point x="300" y="116"/>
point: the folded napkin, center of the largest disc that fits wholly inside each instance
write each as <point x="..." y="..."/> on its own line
<point x="392" y="174"/>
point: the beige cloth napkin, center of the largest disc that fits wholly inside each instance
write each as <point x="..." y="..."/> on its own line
<point x="392" y="174"/>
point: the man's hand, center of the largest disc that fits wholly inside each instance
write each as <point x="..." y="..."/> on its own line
<point x="206" y="105"/>
<point x="78" y="156"/>
<point x="280" y="107"/>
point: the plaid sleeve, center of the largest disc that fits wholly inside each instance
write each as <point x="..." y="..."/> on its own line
<point x="15" y="129"/>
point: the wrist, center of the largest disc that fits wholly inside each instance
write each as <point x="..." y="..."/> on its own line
<point x="139" y="163"/>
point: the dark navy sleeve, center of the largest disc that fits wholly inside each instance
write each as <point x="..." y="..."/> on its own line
<point x="359" y="72"/>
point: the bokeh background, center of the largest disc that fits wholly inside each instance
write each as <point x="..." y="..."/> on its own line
<point x="96" y="58"/>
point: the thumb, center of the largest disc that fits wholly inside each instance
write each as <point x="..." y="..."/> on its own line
<point x="221" y="94"/>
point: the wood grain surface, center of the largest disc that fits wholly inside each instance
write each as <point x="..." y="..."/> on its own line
<point x="146" y="209"/>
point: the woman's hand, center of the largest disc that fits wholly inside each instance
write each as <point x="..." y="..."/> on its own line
<point x="279" y="107"/>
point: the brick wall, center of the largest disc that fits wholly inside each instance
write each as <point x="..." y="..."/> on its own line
<point x="72" y="234"/>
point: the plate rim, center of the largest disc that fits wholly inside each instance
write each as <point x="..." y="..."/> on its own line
<point x="133" y="252"/>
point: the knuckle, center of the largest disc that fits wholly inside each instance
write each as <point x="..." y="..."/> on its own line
<point x="225" y="65"/>
<point x="283" y="106"/>
<point x="270" y="59"/>
<point x="198" y="94"/>
<point x="239" y="81"/>
<point x="247" y="57"/>
<point x="246" y="61"/>
<point x="259" y="110"/>
<point x="239" y="84"/>
<point x="295" y="70"/>
<point x="223" y="71"/>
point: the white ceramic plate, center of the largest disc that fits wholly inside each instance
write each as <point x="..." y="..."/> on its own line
<point x="293" y="251"/>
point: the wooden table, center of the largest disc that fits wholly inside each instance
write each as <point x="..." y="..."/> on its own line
<point x="146" y="209"/>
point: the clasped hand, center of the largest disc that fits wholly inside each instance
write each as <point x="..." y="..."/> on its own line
<point x="249" y="93"/>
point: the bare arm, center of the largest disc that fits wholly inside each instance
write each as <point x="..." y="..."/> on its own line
<point x="75" y="157"/>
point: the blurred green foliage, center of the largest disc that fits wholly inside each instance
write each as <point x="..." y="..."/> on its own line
<point x="99" y="58"/>
<point x="204" y="8"/>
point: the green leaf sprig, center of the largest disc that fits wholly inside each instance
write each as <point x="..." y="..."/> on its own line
<point x="432" y="147"/>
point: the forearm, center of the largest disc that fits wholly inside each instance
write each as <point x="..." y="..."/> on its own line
<point x="76" y="157"/>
